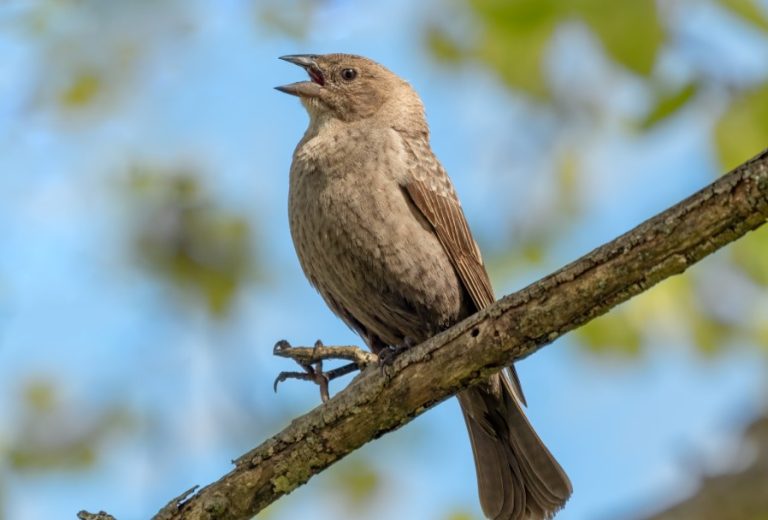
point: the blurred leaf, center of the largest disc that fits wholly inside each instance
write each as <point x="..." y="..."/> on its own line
<point x="517" y="15"/>
<point x="77" y="455"/>
<point x="760" y="332"/>
<point x="612" y="332"/>
<point x="270" y="511"/>
<point x="83" y="89"/>
<point x="743" y="130"/>
<point x="515" y="38"/>
<point x="522" y="253"/>
<point x="709" y="334"/>
<point x="443" y="46"/>
<point x="515" y="35"/>
<point x="532" y="252"/>
<point x="750" y="254"/>
<point x="291" y="18"/>
<point x="631" y="31"/>
<point x="460" y="515"/>
<point x="569" y="179"/>
<point x="358" y="480"/>
<point x="90" y="51"/>
<point x="40" y="396"/>
<point x="665" y="307"/>
<point x="669" y="103"/>
<point x="52" y="433"/>
<point x="669" y="309"/>
<point x="749" y="10"/>
<point x="190" y="241"/>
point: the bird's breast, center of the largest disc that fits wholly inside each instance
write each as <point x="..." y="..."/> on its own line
<point x="345" y="193"/>
<point x="362" y="242"/>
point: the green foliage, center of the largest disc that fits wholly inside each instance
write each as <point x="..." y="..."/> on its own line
<point x="630" y="30"/>
<point x="53" y="433"/>
<point x="92" y="52"/>
<point x="750" y="254"/>
<point x="749" y="10"/>
<point x="444" y="48"/>
<point x="188" y="240"/>
<point x="514" y="40"/>
<point x="291" y="18"/>
<point x="669" y="103"/>
<point x="514" y="36"/>
<point x="662" y="311"/>
<point x="760" y="332"/>
<point x="611" y="333"/>
<point x="81" y="91"/>
<point x="743" y="130"/>
<point x="357" y="480"/>
<point x="460" y="515"/>
<point x="710" y="334"/>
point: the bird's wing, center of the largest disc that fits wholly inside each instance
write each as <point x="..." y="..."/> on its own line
<point x="431" y="191"/>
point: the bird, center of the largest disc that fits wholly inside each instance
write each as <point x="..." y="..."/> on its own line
<point x="380" y="233"/>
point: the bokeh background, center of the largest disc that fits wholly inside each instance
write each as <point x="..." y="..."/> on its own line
<point x="146" y="267"/>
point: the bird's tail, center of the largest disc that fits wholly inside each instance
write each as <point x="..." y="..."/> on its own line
<point x="517" y="476"/>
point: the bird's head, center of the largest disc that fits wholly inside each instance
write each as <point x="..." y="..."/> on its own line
<point x="350" y="88"/>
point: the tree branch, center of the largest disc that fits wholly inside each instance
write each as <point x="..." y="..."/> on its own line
<point x="514" y="327"/>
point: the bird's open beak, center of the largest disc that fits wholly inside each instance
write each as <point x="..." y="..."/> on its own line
<point x="304" y="88"/>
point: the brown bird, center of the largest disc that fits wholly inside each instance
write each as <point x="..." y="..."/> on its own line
<point x="380" y="232"/>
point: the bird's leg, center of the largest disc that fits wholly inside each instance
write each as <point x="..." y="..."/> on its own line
<point x="311" y="360"/>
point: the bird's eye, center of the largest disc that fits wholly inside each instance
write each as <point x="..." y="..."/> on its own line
<point x="348" y="74"/>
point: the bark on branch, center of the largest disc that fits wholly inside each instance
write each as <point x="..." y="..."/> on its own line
<point x="514" y="327"/>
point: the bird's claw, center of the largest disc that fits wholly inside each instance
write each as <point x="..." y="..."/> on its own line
<point x="311" y="360"/>
<point x="311" y="373"/>
<point x="281" y="346"/>
<point x="388" y="354"/>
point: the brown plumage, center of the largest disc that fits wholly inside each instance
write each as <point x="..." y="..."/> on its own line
<point x="380" y="232"/>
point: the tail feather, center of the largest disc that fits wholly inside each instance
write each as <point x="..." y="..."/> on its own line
<point x="517" y="476"/>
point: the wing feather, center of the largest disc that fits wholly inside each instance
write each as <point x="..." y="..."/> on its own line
<point x="432" y="192"/>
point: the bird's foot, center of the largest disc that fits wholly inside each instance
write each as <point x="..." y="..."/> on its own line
<point x="319" y="352"/>
<point x="311" y="360"/>
<point x="388" y="354"/>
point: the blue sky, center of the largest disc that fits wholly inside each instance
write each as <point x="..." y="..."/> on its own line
<point x="632" y="434"/>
